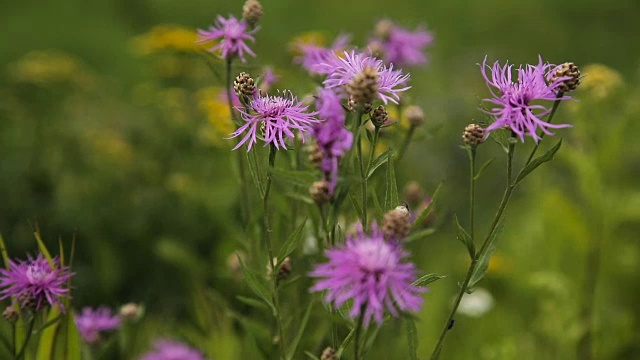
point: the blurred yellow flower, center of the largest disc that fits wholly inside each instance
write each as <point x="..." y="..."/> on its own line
<point x="166" y="37"/>
<point x="498" y="265"/>
<point x="600" y="81"/>
<point x="50" y="67"/>
<point x="212" y="103"/>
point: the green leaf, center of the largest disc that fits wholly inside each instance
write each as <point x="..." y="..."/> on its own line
<point x="72" y="349"/>
<point x="379" y="161"/>
<point x="43" y="248"/>
<point x="347" y="340"/>
<point x="465" y="238"/>
<point x="252" y="302"/>
<point x="412" y="337"/>
<point x="501" y="137"/>
<point x="303" y="325"/>
<point x="485" y="257"/>
<point x="302" y="178"/>
<point x="48" y="336"/>
<point x="300" y="197"/>
<point x="292" y="242"/>
<point x="355" y="204"/>
<point x="376" y="202"/>
<point x="311" y="356"/>
<point x="483" y="168"/>
<point x="427" y="279"/>
<point x="5" y="253"/>
<point x="256" y="285"/>
<point x="428" y="209"/>
<point x="418" y="235"/>
<point x="255" y="171"/>
<point x="548" y="156"/>
<point x="391" y="187"/>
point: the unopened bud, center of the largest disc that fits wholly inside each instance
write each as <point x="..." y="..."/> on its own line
<point x="10" y="314"/>
<point x="319" y="192"/>
<point x="315" y="154"/>
<point x="383" y="29"/>
<point x="376" y="49"/>
<point x="283" y="272"/>
<point x="379" y="116"/>
<point x="414" y="115"/>
<point x="364" y="86"/>
<point x="473" y="135"/>
<point x="413" y="192"/>
<point x="396" y="223"/>
<point x="252" y="12"/>
<point x="243" y="85"/>
<point x="329" y="354"/>
<point x="130" y="311"/>
<point x="571" y="73"/>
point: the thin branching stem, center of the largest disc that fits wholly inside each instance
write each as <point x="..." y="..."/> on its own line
<point x="553" y="112"/>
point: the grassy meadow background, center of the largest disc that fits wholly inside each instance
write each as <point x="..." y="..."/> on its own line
<point x="111" y="130"/>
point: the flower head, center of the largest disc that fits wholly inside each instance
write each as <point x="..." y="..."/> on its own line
<point x="369" y="271"/>
<point x="342" y="70"/>
<point x="277" y="116"/>
<point x="35" y="283"/>
<point x="232" y="34"/>
<point x="92" y="322"/>
<point x="514" y="100"/>
<point x="313" y="55"/>
<point x="401" y="46"/>
<point x="172" y="350"/>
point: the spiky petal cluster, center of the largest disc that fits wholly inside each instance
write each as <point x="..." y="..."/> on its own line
<point x="277" y="116"/>
<point x="35" y="283"/>
<point x="341" y="71"/>
<point x="332" y="138"/>
<point x="521" y="104"/>
<point x="404" y="47"/>
<point x="369" y="271"/>
<point x="230" y="35"/>
<point x="172" y="350"/>
<point x="92" y="322"/>
<point x="313" y="56"/>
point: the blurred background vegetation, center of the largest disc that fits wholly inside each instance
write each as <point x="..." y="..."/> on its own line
<point x="112" y="130"/>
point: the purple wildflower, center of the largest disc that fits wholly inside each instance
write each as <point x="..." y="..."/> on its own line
<point x="35" y="282"/>
<point x="277" y="116"/>
<point x="232" y="34"/>
<point x="269" y="77"/>
<point x="369" y="271"/>
<point x="513" y="100"/>
<point x="172" y="350"/>
<point x="313" y="56"/>
<point x="404" y="47"/>
<point x="333" y="139"/>
<point x="92" y="322"/>
<point x="341" y="70"/>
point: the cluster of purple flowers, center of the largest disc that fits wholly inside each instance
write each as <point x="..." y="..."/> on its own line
<point x="313" y="55"/>
<point x="231" y="35"/>
<point x="399" y="46"/>
<point x="520" y="104"/>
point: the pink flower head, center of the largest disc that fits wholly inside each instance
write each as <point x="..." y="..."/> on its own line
<point x="172" y="350"/>
<point x="514" y="100"/>
<point x="314" y="55"/>
<point x="35" y="282"/>
<point x="404" y="47"/>
<point x="277" y="116"/>
<point x="369" y="271"/>
<point x="341" y="70"/>
<point x="232" y="34"/>
<point x="269" y="77"/>
<point x="92" y="322"/>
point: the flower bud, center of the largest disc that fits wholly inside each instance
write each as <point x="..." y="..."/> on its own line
<point x="252" y="12"/>
<point x="319" y="192"/>
<point x="315" y="154"/>
<point x="10" y="314"/>
<point x="383" y="29"/>
<point x="413" y="192"/>
<point x="283" y="272"/>
<point x="414" y="115"/>
<point x="379" y="116"/>
<point x="329" y="354"/>
<point x="244" y="85"/>
<point x="364" y="86"/>
<point x="396" y="223"/>
<point x="473" y="135"/>
<point x="569" y="71"/>
<point x="130" y="311"/>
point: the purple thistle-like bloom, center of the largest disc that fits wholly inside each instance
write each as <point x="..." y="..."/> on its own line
<point x="341" y="70"/>
<point x="369" y="271"/>
<point x="35" y="282"/>
<point x="172" y="350"/>
<point x="333" y="139"/>
<point x="232" y="34"/>
<point x="513" y="100"/>
<point x="313" y="56"/>
<point x="278" y="116"/>
<point x="404" y="47"/>
<point x="269" y="77"/>
<point x="92" y="322"/>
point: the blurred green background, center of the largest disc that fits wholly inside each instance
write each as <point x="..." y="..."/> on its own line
<point x="111" y="130"/>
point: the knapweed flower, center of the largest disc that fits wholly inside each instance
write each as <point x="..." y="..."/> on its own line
<point x="35" y="283"/>
<point x="92" y="322"/>
<point x="342" y="70"/>
<point x="230" y="35"/>
<point x="519" y="104"/>
<point x="172" y="350"/>
<point x="268" y="78"/>
<point x="277" y="116"/>
<point x="402" y="47"/>
<point x="369" y="271"/>
<point x="313" y="55"/>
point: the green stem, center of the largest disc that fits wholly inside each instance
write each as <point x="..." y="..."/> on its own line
<point x="20" y="354"/>
<point x="13" y="338"/>
<point x="356" y="345"/>
<point x="376" y="133"/>
<point x="267" y="237"/>
<point x="472" y="190"/>
<point x="363" y="177"/>
<point x="407" y="140"/>
<point x="553" y="112"/>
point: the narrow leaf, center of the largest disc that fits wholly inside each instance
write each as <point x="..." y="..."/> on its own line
<point x="465" y="238"/>
<point x="419" y="235"/>
<point x="252" y="302"/>
<point x="5" y="253"/>
<point x="355" y="204"/>
<point x="292" y="242"/>
<point x="428" y="209"/>
<point x="391" y="187"/>
<point x="254" y="169"/>
<point x="483" y="168"/>
<point x="256" y="285"/>
<point x="303" y="325"/>
<point x="48" y="336"/>
<point x="412" y="337"/>
<point x="311" y="356"/>
<point x="43" y="248"/>
<point x="485" y="257"/>
<point x="347" y="340"/>
<point x="73" y="350"/>
<point x="379" y="161"/>
<point x="427" y="279"/>
<point x="548" y="156"/>
<point x="295" y="177"/>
